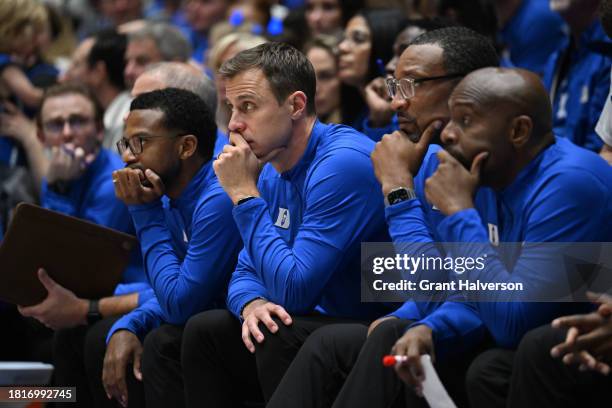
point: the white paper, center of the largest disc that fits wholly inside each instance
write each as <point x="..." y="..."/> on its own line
<point x="433" y="390"/>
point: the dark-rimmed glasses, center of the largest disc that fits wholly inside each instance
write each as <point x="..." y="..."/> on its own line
<point x="135" y="143"/>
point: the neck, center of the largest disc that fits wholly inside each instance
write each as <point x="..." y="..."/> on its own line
<point x="188" y="171"/>
<point x="505" y="10"/>
<point x="289" y="157"/>
<point x="106" y="93"/>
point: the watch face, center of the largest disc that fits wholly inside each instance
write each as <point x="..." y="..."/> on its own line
<point x="400" y="194"/>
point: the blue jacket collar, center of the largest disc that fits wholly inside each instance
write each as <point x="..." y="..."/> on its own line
<point x="318" y="130"/>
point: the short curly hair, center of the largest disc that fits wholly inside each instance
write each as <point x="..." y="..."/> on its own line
<point x="464" y="50"/>
<point x="184" y="112"/>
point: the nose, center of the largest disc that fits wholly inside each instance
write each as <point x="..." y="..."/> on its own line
<point x="399" y="103"/>
<point x="127" y="156"/>
<point x="448" y="136"/>
<point x="236" y="124"/>
<point x="67" y="132"/>
<point x="344" y="47"/>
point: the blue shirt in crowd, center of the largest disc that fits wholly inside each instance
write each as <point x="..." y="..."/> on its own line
<point x="302" y="238"/>
<point x="579" y="96"/>
<point x="532" y="34"/>
<point x="189" y="245"/>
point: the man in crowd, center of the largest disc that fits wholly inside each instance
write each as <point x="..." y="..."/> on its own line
<point x="184" y="224"/>
<point x="99" y="63"/>
<point x="79" y="183"/>
<point x="155" y="42"/>
<point x="302" y="221"/>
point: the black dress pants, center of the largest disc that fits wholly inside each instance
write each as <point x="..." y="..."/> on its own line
<point x="340" y="367"/>
<point x="530" y="377"/>
<point x="220" y="372"/>
<point x="78" y="355"/>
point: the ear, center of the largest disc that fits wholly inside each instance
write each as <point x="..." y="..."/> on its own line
<point x="187" y="146"/>
<point x="298" y="101"/>
<point x="521" y="129"/>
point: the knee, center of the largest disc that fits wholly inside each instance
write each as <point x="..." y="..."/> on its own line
<point x="535" y="346"/>
<point x="273" y="341"/>
<point x="203" y="325"/>
<point x="479" y="371"/>
<point x="388" y="332"/>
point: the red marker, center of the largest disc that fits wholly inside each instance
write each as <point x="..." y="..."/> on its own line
<point x="390" y="361"/>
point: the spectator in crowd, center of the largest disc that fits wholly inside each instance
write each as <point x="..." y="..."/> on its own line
<point x="330" y="16"/>
<point x="189" y="241"/>
<point x="322" y="54"/>
<point x="78" y="183"/>
<point x="365" y="48"/>
<point x="154" y="43"/>
<point x="577" y="76"/>
<point x="529" y="31"/>
<point x="293" y="264"/>
<point x="201" y="15"/>
<point x="99" y="63"/>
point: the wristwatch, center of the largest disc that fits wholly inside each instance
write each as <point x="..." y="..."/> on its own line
<point x="397" y="195"/>
<point x="93" y="314"/>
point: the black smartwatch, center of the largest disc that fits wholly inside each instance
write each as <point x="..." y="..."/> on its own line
<point x="397" y="195"/>
<point x="93" y="314"/>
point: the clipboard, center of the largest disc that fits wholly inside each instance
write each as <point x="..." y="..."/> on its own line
<point x="87" y="258"/>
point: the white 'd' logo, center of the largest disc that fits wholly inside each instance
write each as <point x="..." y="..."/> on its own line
<point x="283" y="218"/>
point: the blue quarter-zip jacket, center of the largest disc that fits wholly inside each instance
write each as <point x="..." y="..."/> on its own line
<point x="302" y="237"/>
<point x="563" y="195"/>
<point x="189" y="246"/>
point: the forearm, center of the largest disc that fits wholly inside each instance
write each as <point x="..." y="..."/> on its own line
<point x="20" y="85"/>
<point x="118" y="305"/>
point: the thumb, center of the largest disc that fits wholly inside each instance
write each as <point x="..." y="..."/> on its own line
<point x="46" y="280"/>
<point x="477" y="163"/>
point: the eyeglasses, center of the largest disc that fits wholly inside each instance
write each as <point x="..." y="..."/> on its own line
<point x="135" y="143"/>
<point x="407" y="86"/>
<point x="77" y="123"/>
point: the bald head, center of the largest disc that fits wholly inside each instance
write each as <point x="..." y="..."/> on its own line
<point x="177" y="75"/>
<point x="514" y="92"/>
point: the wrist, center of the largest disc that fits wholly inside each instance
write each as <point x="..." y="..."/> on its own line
<point x="242" y="194"/>
<point x="250" y="305"/>
<point x="392" y="184"/>
<point x="458" y="206"/>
